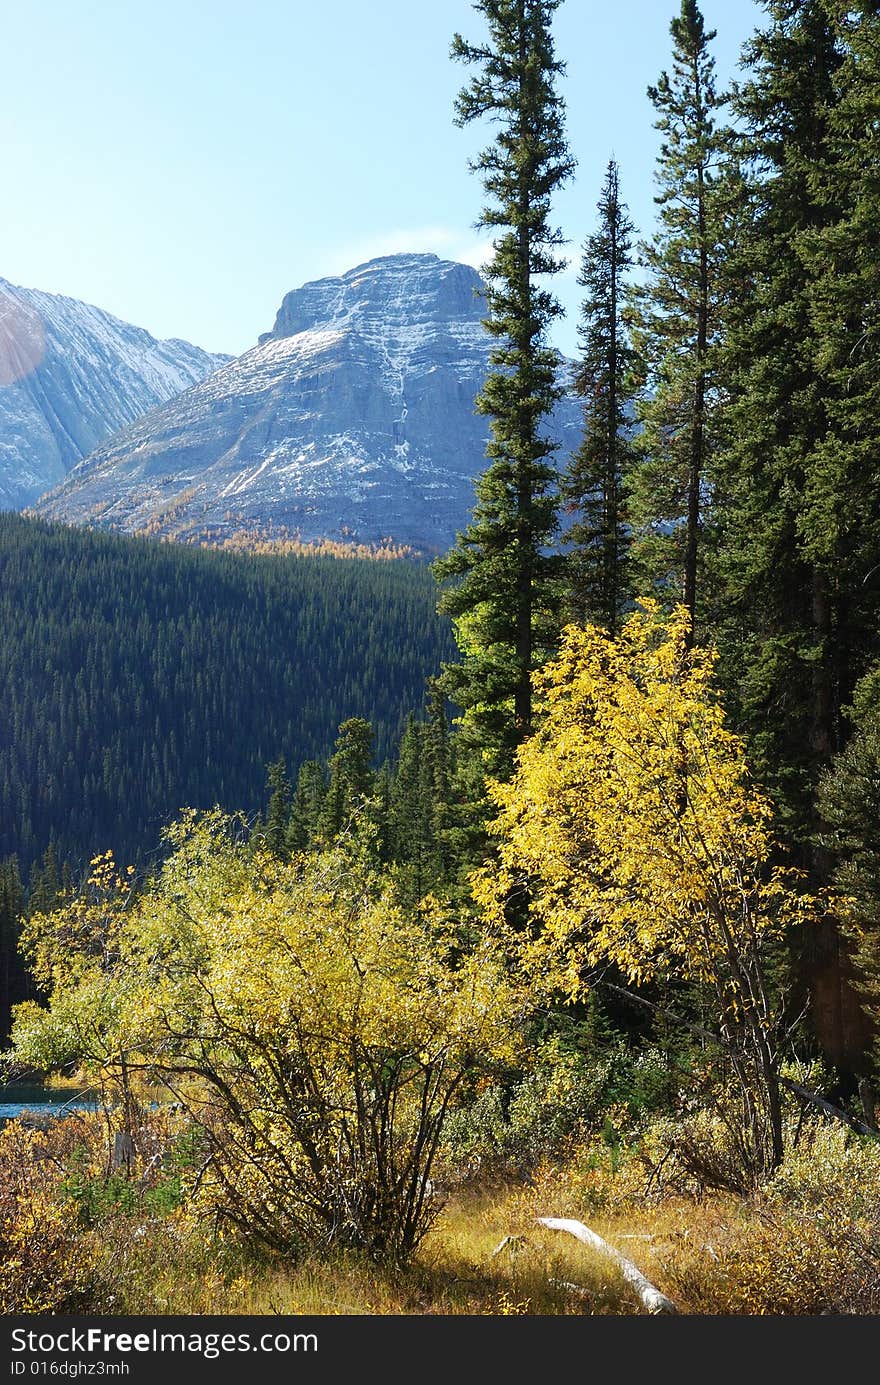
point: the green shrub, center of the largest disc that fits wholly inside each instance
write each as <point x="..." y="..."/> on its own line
<point x="568" y="1095"/>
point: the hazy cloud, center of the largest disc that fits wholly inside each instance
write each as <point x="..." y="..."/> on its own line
<point x="449" y="244"/>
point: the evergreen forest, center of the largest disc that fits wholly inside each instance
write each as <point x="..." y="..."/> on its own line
<point x="139" y="678"/>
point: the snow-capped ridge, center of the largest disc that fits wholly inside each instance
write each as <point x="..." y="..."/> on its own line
<point x="354" y="416"/>
<point x="71" y="374"/>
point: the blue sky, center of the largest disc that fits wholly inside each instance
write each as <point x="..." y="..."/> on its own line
<point x="184" y="163"/>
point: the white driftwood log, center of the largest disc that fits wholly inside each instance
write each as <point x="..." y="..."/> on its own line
<point x="651" y="1297"/>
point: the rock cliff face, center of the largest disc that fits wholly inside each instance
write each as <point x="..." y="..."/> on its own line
<point x="353" y="418"/>
<point x="70" y="376"/>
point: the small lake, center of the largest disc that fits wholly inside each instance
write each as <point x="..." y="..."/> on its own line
<point x="32" y="1099"/>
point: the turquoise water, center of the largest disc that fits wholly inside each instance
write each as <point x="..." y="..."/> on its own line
<point x="25" y="1098"/>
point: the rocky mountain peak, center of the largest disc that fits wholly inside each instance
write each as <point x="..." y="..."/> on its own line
<point x="393" y="291"/>
<point x="71" y="375"/>
<point x="352" y="419"/>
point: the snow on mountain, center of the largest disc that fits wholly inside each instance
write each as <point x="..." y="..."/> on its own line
<point x="353" y="418"/>
<point x="70" y="376"/>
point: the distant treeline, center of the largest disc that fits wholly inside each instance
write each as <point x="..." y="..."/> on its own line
<point x="139" y="677"/>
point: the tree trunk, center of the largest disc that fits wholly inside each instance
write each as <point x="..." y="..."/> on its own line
<point x="839" y="1020"/>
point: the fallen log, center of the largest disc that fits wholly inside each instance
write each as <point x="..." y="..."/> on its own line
<point x="651" y="1297"/>
<point x="572" y="1288"/>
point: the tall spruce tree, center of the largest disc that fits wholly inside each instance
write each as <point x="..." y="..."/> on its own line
<point x="306" y="806"/>
<point x="500" y="575"/>
<point x="592" y="488"/>
<point x="777" y="587"/>
<point x="676" y="322"/>
<point x="352" y="779"/>
<point x="278" y="811"/>
<point x="439" y="752"/>
<point x="411" y="815"/>
<point x="441" y="762"/>
<point x="49" y="881"/>
<point x="798" y="526"/>
<point x="841" y="523"/>
<point x="849" y="802"/>
<point x="841" y="518"/>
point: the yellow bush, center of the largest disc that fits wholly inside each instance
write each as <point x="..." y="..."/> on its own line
<point x="42" y="1269"/>
<point x="810" y="1244"/>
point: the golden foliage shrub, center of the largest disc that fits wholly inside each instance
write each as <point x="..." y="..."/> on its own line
<point x="64" y="1209"/>
<point x="42" y="1269"/>
<point x="809" y="1245"/>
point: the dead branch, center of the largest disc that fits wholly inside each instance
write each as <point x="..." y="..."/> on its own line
<point x="514" y="1242"/>
<point x="651" y="1297"/>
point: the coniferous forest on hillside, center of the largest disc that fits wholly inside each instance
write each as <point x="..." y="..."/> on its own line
<point x="144" y="677"/>
<point x="571" y="914"/>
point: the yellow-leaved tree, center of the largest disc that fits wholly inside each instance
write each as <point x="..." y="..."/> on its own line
<point x="634" y="831"/>
<point x="314" y="1032"/>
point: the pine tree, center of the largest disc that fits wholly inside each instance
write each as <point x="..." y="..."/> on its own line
<point x="306" y="806"/>
<point x="13" y="977"/>
<point x="351" y="778"/>
<point x="676" y="322"/>
<point x="849" y="802"/>
<point x="278" y="811"/>
<point x="502" y="578"/>
<point x="779" y="587"/>
<point x="840" y="522"/>
<point x="841" y="519"/>
<point x="411" y="815"/>
<point x="592" y="488"/>
<point x="441" y="769"/>
<point x="46" y="882"/>
<point x="380" y="813"/>
<point x="798" y="524"/>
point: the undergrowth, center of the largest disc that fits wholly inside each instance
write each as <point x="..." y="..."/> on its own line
<point x="78" y="1235"/>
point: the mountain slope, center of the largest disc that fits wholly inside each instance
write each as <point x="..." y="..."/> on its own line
<point x="353" y="418"/>
<point x="70" y="376"/>
<point x="140" y="677"/>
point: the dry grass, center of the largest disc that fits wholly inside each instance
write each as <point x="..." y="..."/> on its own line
<point x="810" y="1244"/>
<point x="459" y="1269"/>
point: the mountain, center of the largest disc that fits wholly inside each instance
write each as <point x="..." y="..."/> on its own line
<point x="70" y="375"/>
<point x="352" y="419"/>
